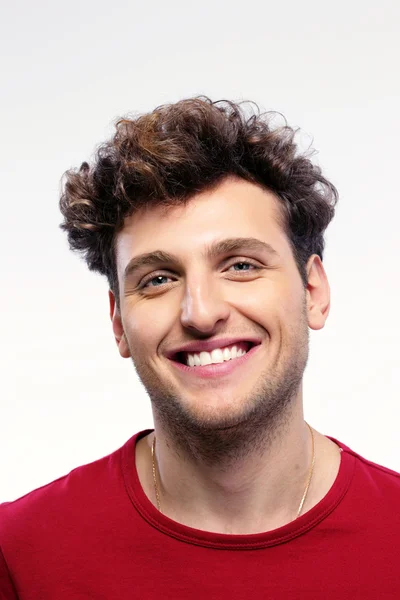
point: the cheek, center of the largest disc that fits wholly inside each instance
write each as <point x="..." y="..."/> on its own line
<point x="258" y="297"/>
<point x="147" y="323"/>
<point x="272" y="304"/>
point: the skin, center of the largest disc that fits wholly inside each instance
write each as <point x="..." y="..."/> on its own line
<point x="233" y="452"/>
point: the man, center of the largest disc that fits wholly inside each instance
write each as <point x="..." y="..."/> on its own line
<point x="209" y="226"/>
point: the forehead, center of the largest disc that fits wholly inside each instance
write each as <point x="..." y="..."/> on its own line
<point x="235" y="208"/>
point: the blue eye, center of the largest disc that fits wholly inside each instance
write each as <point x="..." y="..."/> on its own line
<point x="156" y="281"/>
<point x="243" y="266"/>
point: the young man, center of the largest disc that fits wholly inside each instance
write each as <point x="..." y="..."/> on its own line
<point x="209" y="227"/>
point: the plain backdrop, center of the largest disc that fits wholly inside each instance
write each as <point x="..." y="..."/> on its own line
<point x="68" y="71"/>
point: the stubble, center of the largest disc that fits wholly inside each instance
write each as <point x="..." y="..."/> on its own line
<point x="264" y="413"/>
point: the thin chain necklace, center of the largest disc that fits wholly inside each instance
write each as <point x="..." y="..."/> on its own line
<point x="157" y="493"/>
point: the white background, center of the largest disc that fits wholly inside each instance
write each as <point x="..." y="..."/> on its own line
<point x="69" y="70"/>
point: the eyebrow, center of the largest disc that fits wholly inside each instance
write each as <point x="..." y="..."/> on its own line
<point x="158" y="257"/>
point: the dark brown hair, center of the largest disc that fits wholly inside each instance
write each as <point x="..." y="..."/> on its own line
<point x="178" y="150"/>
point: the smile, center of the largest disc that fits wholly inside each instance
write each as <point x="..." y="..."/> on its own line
<point x="214" y="362"/>
<point x="216" y="356"/>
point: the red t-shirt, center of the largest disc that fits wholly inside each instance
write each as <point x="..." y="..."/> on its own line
<point x="94" y="534"/>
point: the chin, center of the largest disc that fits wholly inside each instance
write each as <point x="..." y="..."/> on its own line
<point x="217" y="421"/>
<point x="218" y="413"/>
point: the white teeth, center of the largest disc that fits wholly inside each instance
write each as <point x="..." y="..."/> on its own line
<point x="205" y="359"/>
<point x="217" y="356"/>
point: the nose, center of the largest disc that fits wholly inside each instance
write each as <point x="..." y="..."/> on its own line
<point x="204" y="307"/>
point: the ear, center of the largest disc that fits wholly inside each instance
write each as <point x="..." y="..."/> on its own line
<point x="318" y="293"/>
<point x="118" y="328"/>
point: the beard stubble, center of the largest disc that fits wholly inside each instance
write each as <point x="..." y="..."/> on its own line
<point x="265" y="411"/>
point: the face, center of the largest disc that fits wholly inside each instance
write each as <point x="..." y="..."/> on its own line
<point x="215" y="281"/>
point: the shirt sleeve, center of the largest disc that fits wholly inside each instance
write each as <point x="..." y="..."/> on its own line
<point x="7" y="589"/>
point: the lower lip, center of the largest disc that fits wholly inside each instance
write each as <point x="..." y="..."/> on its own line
<point x="218" y="369"/>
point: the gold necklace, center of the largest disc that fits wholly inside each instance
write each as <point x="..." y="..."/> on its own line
<point x="157" y="493"/>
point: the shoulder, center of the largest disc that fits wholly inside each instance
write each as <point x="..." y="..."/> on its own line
<point x="373" y="469"/>
<point x="63" y="499"/>
<point x="379" y="477"/>
<point x="373" y="485"/>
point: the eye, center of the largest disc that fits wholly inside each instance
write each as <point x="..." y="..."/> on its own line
<point x="156" y="281"/>
<point x="244" y="266"/>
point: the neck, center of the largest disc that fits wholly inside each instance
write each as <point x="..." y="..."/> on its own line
<point x="249" y="492"/>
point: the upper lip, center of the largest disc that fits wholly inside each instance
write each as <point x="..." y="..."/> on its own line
<point x="198" y="346"/>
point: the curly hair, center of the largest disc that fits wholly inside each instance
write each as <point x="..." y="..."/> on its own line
<point x="181" y="149"/>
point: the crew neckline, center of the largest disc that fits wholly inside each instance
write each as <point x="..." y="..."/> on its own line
<point x="233" y="541"/>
